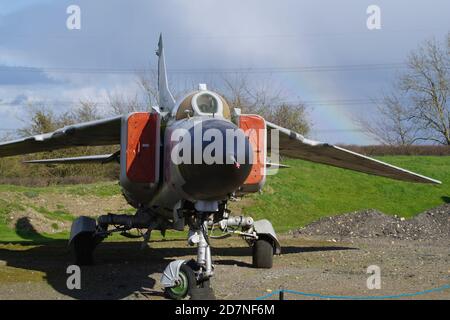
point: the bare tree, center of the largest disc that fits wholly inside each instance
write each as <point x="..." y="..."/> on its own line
<point x="419" y="109"/>
<point x="40" y="119"/>
<point x="392" y="124"/>
<point x="235" y="88"/>
<point x="148" y="82"/>
<point x="291" y="116"/>
<point x="121" y="104"/>
<point x="86" y="111"/>
<point x="267" y="98"/>
<point x="427" y="83"/>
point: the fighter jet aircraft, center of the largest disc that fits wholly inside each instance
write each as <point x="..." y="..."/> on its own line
<point x="180" y="164"/>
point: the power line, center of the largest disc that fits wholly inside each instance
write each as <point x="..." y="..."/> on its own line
<point x="341" y="102"/>
<point x="335" y="130"/>
<point x="385" y="32"/>
<point x="313" y="130"/>
<point x="247" y="70"/>
<point x="333" y="102"/>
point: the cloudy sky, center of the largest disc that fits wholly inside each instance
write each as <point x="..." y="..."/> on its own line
<point x="320" y="52"/>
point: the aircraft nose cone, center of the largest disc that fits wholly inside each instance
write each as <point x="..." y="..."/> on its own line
<point x="225" y="162"/>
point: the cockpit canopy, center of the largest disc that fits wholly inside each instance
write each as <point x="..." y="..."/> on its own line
<point x="206" y="103"/>
<point x="203" y="103"/>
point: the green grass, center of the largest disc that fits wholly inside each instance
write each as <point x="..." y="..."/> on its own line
<point x="101" y="189"/>
<point x="292" y="198"/>
<point x="55" y="215"/>
<point x="307" y="191"/>
<point x="9" y="234"/>
<point x="6" y="208"/>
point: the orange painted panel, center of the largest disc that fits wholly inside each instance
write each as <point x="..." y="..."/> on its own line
<point x="142" y="144"/>
<point x="254" y="128"/>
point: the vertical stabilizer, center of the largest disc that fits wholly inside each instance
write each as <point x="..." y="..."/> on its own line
<point x="166" y="100"/>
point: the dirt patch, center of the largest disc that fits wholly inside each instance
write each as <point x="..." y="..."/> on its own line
<point x="53" y="212"/>
<point x="29" y="220"/>
<point x="82" y="205"/>
<point x="238" y="206"/>
<point x="433" y="224"/>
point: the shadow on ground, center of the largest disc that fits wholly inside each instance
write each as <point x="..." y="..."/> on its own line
<point x="121" y="268"/>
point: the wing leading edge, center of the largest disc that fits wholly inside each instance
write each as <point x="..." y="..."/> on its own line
<point x="100" y="158"/>
<point x="294" y="145"/>
<point x="93" y="133"/>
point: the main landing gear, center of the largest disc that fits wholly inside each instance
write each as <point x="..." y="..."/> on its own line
<point x="86" y="233"/>
<point x="262" y="254"/>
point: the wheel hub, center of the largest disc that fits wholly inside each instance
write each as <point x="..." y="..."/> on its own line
<point x="182" y="285"/>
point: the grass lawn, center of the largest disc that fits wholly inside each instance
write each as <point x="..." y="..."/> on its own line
<point x="292" y="198"/>
<point x="307" y="191"/>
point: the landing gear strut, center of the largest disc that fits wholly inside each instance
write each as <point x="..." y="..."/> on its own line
<point x="191" y="278"/>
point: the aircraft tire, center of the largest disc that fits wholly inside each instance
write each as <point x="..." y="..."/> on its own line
<point x="188" y="282"/>
<point x="262" y="254"/>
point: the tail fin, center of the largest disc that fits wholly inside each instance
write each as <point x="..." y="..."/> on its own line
<point x="166" y="100"/>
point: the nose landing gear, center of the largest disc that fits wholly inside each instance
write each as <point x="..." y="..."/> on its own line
<point x="181" y="278"/>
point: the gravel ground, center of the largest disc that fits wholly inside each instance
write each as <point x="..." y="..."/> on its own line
<point x="123" y="271"/>
<point x="329" y="257"/>
<point x="430" y="225"/>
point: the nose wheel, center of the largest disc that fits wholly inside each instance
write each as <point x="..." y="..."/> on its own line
<point x="186" y="281"/>
<point x="182" y="279"/>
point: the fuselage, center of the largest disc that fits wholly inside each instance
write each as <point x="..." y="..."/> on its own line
<point x="203" y="155"/>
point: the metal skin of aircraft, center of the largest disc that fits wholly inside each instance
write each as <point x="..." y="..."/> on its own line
<point x="172" y="194"/>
